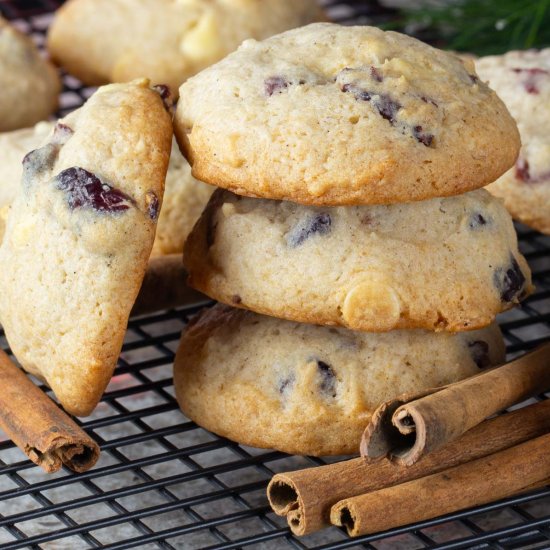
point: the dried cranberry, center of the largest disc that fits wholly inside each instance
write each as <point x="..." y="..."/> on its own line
<point x="165" y="94"/>
<point x="474" y="78"/>
<point x="479" y="351"/>
<point x="376" y="74"/>
<point x="477" y="220"/>
<point x="509" y="281"/>
<point x="328" y="379"/>
<point x="286" y="384"/>
<point x="62" y="133"/>
<point x="319" y="224"/>
<point x="387" y="107"/>
<point x="274" y="84"/>
<point x="152" y="203"/>
<point x="522" y="170"/>
<point x="532" y="75"/>
<point x="85" y="190"/>
<point x="429" y="100"/>
<point x="423" y="137"/>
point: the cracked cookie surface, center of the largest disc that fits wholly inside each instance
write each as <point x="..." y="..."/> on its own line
<point x="30" y="84"/>
<point x="338" y="115"/>
<point x="167" y="41"/>
<point x="441" y="264"/>
<point x="306" y="389"/>
<point x="522" y="80"/>
<point x="78" y="239"/>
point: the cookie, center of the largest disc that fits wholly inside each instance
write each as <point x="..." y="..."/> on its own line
<point x="78" y="238"/>
<point x="337" y="115"/>
<point x="184" y="200"/>
<point x="442" y="264"/>
<point x="167" y="41"/>
<point x="522" y="80"/>
<point x="30" y="85"/>
<point x="305" y="389"/>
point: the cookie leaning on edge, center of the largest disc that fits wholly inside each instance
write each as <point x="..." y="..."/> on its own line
<point x="78" y="238"/>
<point x="338" y="115"/>
<point x="167" y="41"/>
<point x="30" y="85"/>
<point x="441" y="264"/>
<point x="306" y="389"/>
<point x="522" y="80"/>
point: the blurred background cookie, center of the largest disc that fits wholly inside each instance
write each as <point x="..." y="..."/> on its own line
<point x="522" y="80"/>
<point x="307" y="389"/>
<point x="167" y="41"/>
<point x="184" y="199"/>
<point x="30" y="84"/>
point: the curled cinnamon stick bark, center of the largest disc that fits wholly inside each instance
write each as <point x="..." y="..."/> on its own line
<point x="165" y="286"/>
<point x="406" y="428"/>
<point x="306" y="496"/>
<point x="499" y="475"/>
<point x="46" y="434"/>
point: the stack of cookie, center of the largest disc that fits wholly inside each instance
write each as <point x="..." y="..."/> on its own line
<point x="356" y="156"/>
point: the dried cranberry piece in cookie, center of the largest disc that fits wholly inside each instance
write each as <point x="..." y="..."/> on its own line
<point x="165" y="94"/>
<point x="532" y="78"/>
<point x="153" y="205"/>
<point x="387" y="107"/>
<point x="477" y="220"/>
<point x="328" y="379"/>
<point x="479" y="350"/>
<point x="509" y="281"/>
<point x="319" y="224"/>
<point x="275" y="84"/>
<point x="423" y="137"/>
<point x="85" y="190"/>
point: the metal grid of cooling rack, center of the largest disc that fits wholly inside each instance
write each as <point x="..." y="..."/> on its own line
<point x="162" y="482"/>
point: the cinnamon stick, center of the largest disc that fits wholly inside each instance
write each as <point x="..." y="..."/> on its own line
<point x="306" y="496"/>
<point x="46" y="434"/>
<point x="165" y="286"/>
<point x="411" y="425"/>
<point x="499" y="475"/>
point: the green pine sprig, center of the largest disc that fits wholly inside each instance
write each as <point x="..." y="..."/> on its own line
<point x="482" y="27"/>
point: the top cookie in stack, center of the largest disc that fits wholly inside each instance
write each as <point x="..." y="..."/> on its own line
<point x="331" y="115"/>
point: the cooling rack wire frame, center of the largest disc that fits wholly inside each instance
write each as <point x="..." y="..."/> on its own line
<point x="163" y="482"/>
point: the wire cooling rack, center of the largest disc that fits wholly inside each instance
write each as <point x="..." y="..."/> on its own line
<point x="163" y="482"/>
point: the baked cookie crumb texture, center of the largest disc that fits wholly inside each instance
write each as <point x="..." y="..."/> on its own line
<point x="78" y="238"/>
<point x="308" y="389"/>
<point x="522" y="80"/>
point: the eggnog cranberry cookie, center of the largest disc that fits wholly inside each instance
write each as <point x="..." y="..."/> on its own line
<point x="441" y="264"/>
<point x="522" y="80"/>
<point x="30" y="85"/>
<point x="165" y="40"/>
<point x="78" y="238"/>
<point x="307" y="389"/>
<point x="336" y="115"/>
<point x="184" y="200"/>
